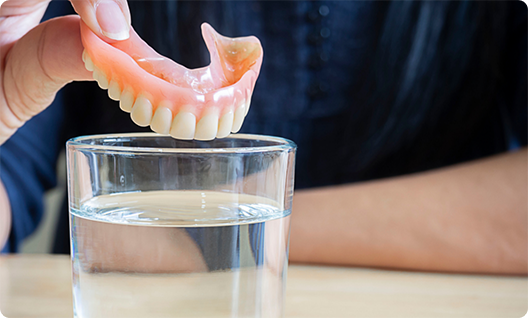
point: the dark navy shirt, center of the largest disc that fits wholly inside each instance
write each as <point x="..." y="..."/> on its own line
<point x="317" y="57"/>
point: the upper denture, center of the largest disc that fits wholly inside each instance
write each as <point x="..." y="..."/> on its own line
<point x="201" y="103"/>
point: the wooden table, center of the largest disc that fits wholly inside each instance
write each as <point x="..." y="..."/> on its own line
<point x="40" y="286"/>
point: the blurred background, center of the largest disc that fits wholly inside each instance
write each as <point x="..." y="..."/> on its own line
<point x="41" y="241"/>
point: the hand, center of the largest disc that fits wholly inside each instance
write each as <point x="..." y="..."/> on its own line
<point x="36" y="60"/>
<point x="104" y="247"/>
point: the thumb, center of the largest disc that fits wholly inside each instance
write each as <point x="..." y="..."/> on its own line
<point x="110" y="19"/>
<point x="37" y="66"/>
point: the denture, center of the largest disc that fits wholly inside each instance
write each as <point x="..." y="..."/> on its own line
<point x="203" y="103"/>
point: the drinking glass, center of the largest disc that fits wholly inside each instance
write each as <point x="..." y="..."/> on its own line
<point x="172" y="228"/>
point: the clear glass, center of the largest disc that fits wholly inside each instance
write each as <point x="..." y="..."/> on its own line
<point x="170" y="228"/>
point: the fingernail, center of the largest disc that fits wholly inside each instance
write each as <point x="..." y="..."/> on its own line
<point x="112" y="20"/>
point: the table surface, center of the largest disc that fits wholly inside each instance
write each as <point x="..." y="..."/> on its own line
<point x="40" y="286"/>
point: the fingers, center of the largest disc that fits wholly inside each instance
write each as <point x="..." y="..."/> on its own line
<point x="36" y="67"/>
<point x="17" y="17"/>
<point x="110" y="19"/>
<point x="21" y="7"/>
<point x="5" y="216"/>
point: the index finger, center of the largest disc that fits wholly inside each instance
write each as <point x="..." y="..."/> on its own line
<point x="109" y="19"/>
<point x="18" y="17"/>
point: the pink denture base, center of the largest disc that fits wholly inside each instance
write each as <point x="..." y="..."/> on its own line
<point x="118" y="61"/>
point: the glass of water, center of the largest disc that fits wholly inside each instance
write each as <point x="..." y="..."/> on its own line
<point x="171" y="228"/>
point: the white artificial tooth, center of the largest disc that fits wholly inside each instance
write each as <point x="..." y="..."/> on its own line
<point x="224" y="125"/>
<point x="247" y="107"/>
<point x="114" y="91"/>
<point x="248" y="103"/>
<point x="183" y="126"/>
<point x="161" y="121"/>
<point x="207" y="127"/>
<point x="141" y="113"/>
<point x="83" y="56"/>
<point x="88" y="63"/>
<point x="95" y="74"/>
<point x="127" y="101"/>
<point x="240" y="113"/>
<point x="100" y="77"/>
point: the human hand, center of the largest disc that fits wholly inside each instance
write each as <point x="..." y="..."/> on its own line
<point x="104" y="247"/>
<point x="36" y="60"/>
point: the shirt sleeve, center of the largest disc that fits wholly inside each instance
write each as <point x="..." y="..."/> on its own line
<point x="515" y="94"/>
<point x="27" y="169"/>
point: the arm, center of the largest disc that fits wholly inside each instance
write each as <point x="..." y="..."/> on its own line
<point x="471" y="217"/>
<point x="36" y="60"/>
<point x="5" y="216"/>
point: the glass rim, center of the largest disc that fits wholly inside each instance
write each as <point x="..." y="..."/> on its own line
<point x="81" y="143"/>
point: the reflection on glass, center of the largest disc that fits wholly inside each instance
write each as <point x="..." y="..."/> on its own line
<point x="198" y="233"/>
